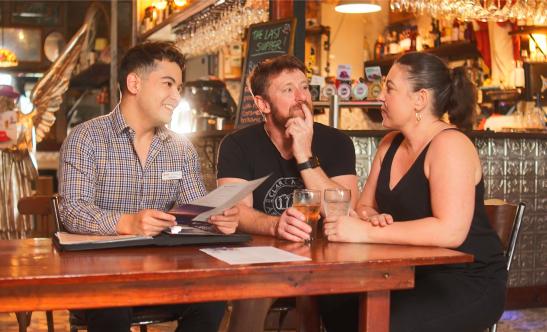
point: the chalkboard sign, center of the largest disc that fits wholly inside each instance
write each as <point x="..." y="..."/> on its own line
<point x="264" y="40"/>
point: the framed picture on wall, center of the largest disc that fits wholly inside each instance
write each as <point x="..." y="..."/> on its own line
<point x="26" y="43"/>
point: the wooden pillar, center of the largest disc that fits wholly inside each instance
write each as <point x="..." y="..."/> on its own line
<point x="280" y="9"/>
<point x="113" y="53"/>
<point x="299" y="11"/>
<point x="134" y="23"/>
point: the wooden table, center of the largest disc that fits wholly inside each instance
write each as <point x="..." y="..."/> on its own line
<point x="35" y="276"/>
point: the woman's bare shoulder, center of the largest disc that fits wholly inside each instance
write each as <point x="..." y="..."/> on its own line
<point x="386" y="141"/>
<point x="455" y="148"/>
<point x="452" y="140"/>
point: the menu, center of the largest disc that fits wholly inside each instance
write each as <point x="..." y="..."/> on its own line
<point x="196" y="213"/>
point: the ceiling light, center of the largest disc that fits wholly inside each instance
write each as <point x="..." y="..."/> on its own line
<point x="357" y="7"/>
<point x="180" y="3"/>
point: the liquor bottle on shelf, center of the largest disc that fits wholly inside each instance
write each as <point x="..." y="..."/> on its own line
<point x="469" y="34"/>
<point x="393" y="43"/>
<point x="405" y="42"/>
<point x="435" y="33"/>
<point x="455" y="30"/>
<point x="379" y="48"/>
<point x="413" y="36"/>
<point x="461" y="36"/>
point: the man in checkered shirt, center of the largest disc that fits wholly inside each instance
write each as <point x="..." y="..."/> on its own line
<point x="120" y="172"/>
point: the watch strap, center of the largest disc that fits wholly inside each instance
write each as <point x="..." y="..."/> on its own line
<point x="313" y="162"/>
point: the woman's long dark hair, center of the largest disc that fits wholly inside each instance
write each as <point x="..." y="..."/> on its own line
<point x="453" y="92"/>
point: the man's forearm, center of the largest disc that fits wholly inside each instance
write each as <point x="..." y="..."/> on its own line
<point x="255" y="222"/>
<point x="88" y="219"/>
<point x="315" y="178"/>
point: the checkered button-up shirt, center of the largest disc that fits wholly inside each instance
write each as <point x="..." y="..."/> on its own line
<point x="101" y="176"/>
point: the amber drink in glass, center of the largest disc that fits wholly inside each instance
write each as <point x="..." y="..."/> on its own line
<point x="309" y="203"/>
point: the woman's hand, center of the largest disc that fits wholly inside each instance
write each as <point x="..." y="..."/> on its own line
<point x="382" y="220"/>
<point x="345" y="229"/>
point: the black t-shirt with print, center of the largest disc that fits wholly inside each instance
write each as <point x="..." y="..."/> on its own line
<point x="250" y="154"/>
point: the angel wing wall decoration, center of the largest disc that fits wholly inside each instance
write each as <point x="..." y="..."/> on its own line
<point x="47" y="95"/>
<point x="17" y="162"/>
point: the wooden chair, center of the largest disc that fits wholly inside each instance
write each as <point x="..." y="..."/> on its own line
<point x="506" y="220"/>
<point x="45" y="209"/>
<point x="38" y="206"/>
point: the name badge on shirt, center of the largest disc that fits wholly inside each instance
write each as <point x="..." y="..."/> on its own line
<point x="171" y="175"/>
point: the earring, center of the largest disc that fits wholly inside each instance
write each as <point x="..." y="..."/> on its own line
<point x="418" y="116"/>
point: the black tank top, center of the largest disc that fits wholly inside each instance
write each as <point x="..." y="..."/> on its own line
<point x="410" y="199"/>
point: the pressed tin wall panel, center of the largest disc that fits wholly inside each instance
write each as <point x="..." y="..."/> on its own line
<point x="513" y="169"/>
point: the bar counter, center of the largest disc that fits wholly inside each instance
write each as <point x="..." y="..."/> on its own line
<point x="514" y="170"/>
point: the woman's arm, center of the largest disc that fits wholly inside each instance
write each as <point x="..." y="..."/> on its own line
<point x="452" y="177"/>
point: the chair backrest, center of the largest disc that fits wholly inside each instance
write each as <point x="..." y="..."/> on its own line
<point x="56" y="216"/>
<point x="506" y="220"/>
<point x="40" y="207"/>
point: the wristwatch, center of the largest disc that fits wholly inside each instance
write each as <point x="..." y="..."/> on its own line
<point x="313" y="162"/>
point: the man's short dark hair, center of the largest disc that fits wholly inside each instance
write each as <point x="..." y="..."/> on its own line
<point x="143" y="56"/>
<point x="266" y="70"/>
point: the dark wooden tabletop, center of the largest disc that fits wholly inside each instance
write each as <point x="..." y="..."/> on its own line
<point x="35" y="276"/>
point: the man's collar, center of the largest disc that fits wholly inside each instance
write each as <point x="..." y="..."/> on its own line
<point x="163" y="133"/>
<point x="120" y="125"/>
<point x="118" y="121"/>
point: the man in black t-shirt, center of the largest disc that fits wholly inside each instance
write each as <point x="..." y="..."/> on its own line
<point x="296" y="151"/>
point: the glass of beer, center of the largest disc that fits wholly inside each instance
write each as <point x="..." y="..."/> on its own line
<point x="308" y="202"/>
<point x="337" y="202"/>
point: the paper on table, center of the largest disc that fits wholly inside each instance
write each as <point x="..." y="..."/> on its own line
<point x="253" y="255"/>
<point x="218" y="200"/>
<point x="68" y="238"/>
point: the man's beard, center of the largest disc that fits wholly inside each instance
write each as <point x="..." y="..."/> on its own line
<point x="295" y="110"/>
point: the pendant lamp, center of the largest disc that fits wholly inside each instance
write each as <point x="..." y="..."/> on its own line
<point x="357" y="7"/>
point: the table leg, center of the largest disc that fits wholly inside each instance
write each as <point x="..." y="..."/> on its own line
<point x="23" y="319"/>
<point x="308" y="314"/>
<point x="374" y="312"/>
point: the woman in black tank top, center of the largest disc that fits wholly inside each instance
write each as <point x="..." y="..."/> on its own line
<point x="425" y="188"/>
